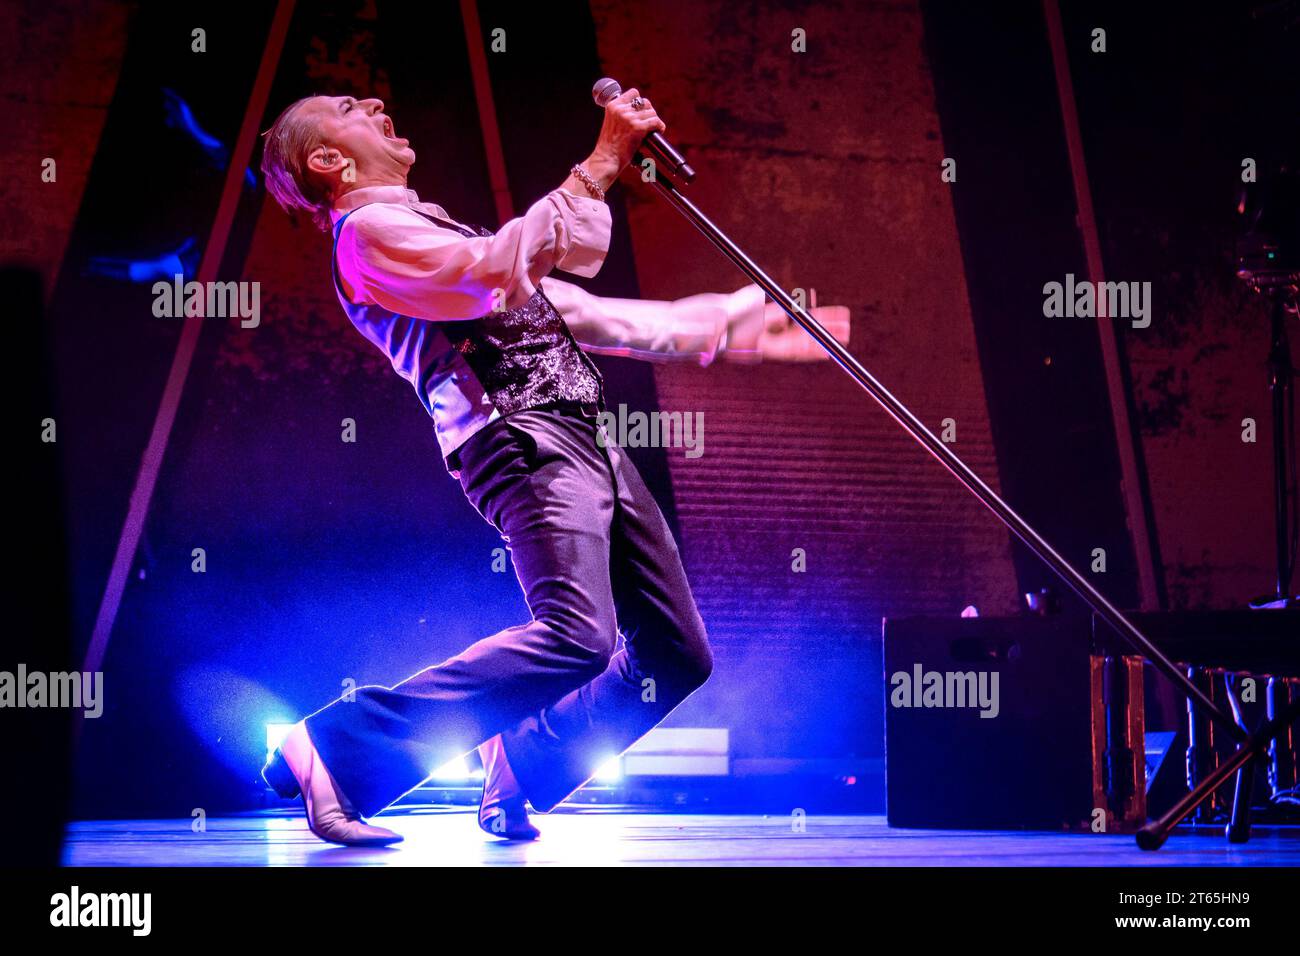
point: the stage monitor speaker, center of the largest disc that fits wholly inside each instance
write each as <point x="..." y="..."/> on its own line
<point x="990" y="723"/>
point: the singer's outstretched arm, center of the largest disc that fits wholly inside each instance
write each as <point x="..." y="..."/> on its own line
<point x="740" y="326"/>
<point x="391" y="255"/>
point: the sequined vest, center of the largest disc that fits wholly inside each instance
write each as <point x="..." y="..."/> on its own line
<point x="524" y="356"/>
<point x="469" y="372"/>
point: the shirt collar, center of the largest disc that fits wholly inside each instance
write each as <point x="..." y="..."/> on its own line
<point x="400" y="195"/>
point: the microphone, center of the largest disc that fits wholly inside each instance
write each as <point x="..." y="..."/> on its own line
<point x="665" y="156"/>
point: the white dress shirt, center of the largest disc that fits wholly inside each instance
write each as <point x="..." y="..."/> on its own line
<point x="398" y="274"/>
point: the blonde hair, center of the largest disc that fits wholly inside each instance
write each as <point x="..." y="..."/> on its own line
<point x="285" y="147"/>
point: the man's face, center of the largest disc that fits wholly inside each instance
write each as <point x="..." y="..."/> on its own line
<point x="359" y="130"/>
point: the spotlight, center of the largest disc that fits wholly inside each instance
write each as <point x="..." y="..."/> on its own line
<point x="611" y="770"/>
<point x="275" y="734"/>
<point x="456" y="771"/>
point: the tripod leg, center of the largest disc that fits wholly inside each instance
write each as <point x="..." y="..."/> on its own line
<point x="1154" y="834"/>
<point x="1238" y="828"/>
<point x="1121" y="774"/>
<point x="1201" y="755"/>
<point x="1282" y="752"/>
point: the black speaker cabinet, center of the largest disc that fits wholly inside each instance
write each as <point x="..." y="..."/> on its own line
<point x="990" y="723"/>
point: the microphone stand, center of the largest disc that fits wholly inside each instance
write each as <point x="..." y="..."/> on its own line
<point x="1154" y="834"/>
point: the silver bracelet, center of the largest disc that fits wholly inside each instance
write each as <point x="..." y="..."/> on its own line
<point x="584" y="177"/>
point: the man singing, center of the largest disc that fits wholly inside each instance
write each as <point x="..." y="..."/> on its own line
<point x="494" y="347"/>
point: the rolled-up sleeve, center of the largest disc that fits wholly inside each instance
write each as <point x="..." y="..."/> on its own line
<point x="698" y="327"/>
<point x="392" y="256"/>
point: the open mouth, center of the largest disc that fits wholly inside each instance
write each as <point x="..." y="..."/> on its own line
<point x="390" y="133"/>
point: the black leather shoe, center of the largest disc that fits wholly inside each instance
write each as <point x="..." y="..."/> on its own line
<point x="279" y="777"/>
<point x="503" y="809"/>
<point x="508" y="820"/>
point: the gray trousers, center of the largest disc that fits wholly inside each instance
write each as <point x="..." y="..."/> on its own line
<point x="594" y="556"/>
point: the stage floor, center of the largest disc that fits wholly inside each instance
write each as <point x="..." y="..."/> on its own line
<point x="604" y="837"/>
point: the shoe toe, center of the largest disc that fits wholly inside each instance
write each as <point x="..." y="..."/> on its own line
<point x="377" y="836"/>
<point x="355" y="833"/>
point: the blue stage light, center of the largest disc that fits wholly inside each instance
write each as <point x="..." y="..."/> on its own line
<point x="456" y="770"/>
<point x="275" y="734"/>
